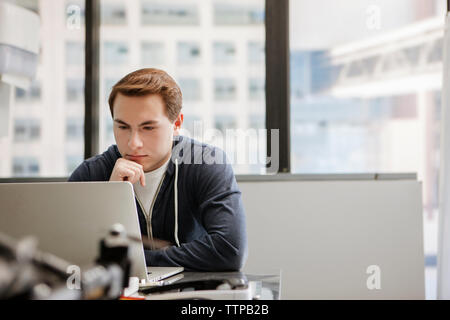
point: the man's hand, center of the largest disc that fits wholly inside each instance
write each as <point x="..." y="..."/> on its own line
<point x="155" y="244"/>
<point x="126" y="170"/>
<point x="158" y="244"/>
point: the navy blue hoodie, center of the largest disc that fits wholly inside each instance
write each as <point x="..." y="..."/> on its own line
<point x="211" y="219"/>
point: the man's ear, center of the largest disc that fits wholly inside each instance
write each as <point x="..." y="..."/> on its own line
<point x="177" y="124"/>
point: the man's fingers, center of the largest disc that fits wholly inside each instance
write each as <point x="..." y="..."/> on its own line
<point x="127" y="173"/>
<point x="138" y="174"/>
<point x="142" y="178"/>
<point x="139" y="170"/>
<point x="126" y="170"/>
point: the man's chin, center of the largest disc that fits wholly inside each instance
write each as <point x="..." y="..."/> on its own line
<point x="144" y="162"/>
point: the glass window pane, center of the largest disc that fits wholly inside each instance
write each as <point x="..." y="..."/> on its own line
<point x="191" y="88"/>
<point x="153" y="53"/>
<point x="225" y="89"/>
<point x="115" y="53"/>
<point x="224" y="52"/>
<point x="365" y="91"/>
<point x="215" y="52"/>
<point x="189" y="52"/>
<point x="113" y="12"/>
<point x="229" y="13"/>
<point x="169" y="13"/>
<point x="75" y="91"/>
<point x="256" y="52"/>
<point x="75" y="53"/>
<point x="35" y="142"/>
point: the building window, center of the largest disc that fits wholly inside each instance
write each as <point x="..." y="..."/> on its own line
<point x="191" y="89"/>
<point x="160" y="13"/>
<point x="257" y="121"/>
<point x="224" y="52"/>
<point x="27" y="130"/>
<point x="75" y="53"/>
<point x="74" y="129"/>
<point x="203" y="44"/>
<point x="75" y="90"/>
<point x="256" y="52"/>
<point x="238" y="14"/>
<point x="25" y="167"/>
<point x="153" y="54"/>
<point x="115" y="53"/>
<point x="256" y="88"/>
<point x="188" y="52"/>
<point x="33" y="94"/>
<point x="113" y="13"/>
<point x="224" y="122"/>
<point x="224" y="89"/>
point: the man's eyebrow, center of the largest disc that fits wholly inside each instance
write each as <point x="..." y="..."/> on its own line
<point x="142" y="124"/>
<point x="121" y="122"/>
<point x="148" y="122"/>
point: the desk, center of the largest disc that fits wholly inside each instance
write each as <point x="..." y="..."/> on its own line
<point x="264" y="286"/>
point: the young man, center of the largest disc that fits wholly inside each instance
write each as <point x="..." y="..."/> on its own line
<point x="186" y="193"/>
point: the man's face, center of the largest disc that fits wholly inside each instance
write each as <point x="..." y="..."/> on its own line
<point x="142" y="130"/>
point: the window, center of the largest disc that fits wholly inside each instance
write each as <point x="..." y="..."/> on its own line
<point x="224" y="89"/>
<point x="256" y="53"/>
<point x="364" y="93"/>
<point x="115" y="53"/>
<point x="27" y="130"/>
<point x="358" y="94"/>
<point x="33" y="146"/>
<point x="190" y="88"/>
<point x="25" y="167"/>
<point x="224" y="52"/>
<point x="113" y="13"/>
<point x="75" y="53"/>
<point x="223" y="122"/>
<point x="189" y="52"/>
<point x="256" y="89"/>
<point x="167" y="13"/>
<point x="196" y="42"/>
<point x="74" y="129"/>
<point x="226" y="13"/>
<point x="153" y="53"/>
<point x="75" y="91"/>
<point x="33" y="94"/>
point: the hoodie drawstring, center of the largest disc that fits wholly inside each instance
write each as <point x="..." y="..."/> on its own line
<point x="175" y="187"/>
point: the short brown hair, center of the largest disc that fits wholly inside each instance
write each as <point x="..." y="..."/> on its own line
<point x="150" y="81"/>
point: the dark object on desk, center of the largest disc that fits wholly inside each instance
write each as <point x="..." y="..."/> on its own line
<point x="210" y="284"/>
<point x="26" y="273"/>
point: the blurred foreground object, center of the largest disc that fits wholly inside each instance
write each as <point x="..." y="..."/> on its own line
<point x="26" y="273"/>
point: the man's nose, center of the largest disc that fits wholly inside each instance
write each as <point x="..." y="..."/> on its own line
<point x="135" y="141"/>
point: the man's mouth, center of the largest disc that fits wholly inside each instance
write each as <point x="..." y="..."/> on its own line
<point x="135" y="157"/>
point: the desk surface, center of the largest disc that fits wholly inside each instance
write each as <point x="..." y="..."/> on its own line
<point x="267" y="286"/>
<point x="264" y="286"/>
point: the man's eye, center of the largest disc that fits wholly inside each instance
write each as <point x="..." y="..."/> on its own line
<point x="122" y="127"/>
<point x="149" y="128"/>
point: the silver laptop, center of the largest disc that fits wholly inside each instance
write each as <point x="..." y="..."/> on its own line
<point x="70" y="219"/>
